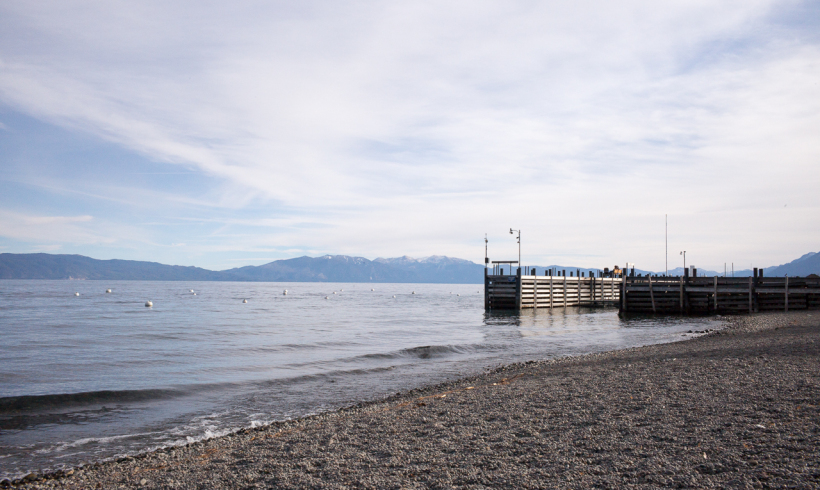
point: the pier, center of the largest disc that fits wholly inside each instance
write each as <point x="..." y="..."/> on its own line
<point x="652" y="294"/>
<point x="711" y="295"/>
<point x="517" y="292"/>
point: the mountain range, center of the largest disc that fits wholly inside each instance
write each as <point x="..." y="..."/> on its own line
<point x="328" y="268"/>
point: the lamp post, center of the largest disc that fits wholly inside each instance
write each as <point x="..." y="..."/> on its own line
<point x="684" y="260"/>
<point x="486" y="257"/>
<point x="519" y="245"/>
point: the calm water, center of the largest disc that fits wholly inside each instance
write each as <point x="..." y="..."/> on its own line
<point x="89" y="377"/>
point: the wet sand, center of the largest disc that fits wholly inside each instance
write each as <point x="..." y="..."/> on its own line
<point x="738" y="408"/>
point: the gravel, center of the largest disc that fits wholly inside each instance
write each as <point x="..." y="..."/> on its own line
<point x="736" y="408"/>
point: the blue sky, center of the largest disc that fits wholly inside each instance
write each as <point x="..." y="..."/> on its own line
<point x="219" y="135"/>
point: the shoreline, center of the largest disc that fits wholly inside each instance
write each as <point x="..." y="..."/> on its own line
<point x="616" y="418"/>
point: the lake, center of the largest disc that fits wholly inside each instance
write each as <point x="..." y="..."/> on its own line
<point x="89" y="377"/>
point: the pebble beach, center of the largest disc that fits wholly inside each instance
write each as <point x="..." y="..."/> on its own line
<point x="734" y="408"/>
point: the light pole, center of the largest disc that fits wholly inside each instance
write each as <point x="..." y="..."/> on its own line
<point x="519" y="245"/>
<point x="684" y="260"/>
<point x="486" y="257"/>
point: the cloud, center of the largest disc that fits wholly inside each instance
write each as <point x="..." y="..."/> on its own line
<point x="379" y="129"/>
<point x="20" y="226"/>
<point x="51" y="231"/>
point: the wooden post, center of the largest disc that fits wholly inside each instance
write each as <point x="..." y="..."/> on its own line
<point x="565" y="289"/>
<point x="623" y="292"/>
<point x="751" y="288"/>
<point x="592" y="289"/>
<point x="535" y="291"/>
<point x="518" y="288"/>
<point x="651" y="295"/>
<point x="787" y="293"/>
<point x="551" y="291"/>
<point x="716" y="293"/>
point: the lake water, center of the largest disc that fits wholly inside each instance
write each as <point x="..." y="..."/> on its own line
<point x="94" y="376"/>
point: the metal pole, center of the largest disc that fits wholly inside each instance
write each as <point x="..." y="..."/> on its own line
<point x="486" y="257"/>
<point x="519" y="245"/>
<point x="666" y="224"/>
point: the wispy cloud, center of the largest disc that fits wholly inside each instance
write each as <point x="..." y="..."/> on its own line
<point x="47" y="228"/>
<point x="379" y="129"/>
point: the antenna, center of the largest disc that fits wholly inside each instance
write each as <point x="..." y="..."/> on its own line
<point x="486" y="258"/>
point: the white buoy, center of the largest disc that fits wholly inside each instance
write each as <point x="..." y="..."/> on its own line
<point x="76" y="294"/>
<point x="285" y="292"/>
<point x="194" y="294"/>
<point x="372" y="289"/>
<point x="107" y="290"/>
<point x="414" y="292"/>
<point x="327" y="297"/>
<point x="341" y="290"/>
<point x="192" y="290"/>
<point x="334" y="292"/>
<point x="458" y="295"/>
<point x="394" y="295"/>
<point x="149" y="304"/>
<point x="244" y="301"/>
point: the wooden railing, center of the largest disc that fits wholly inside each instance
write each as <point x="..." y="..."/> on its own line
<point x="519" y="292"/>
<point x="705" y="295"/>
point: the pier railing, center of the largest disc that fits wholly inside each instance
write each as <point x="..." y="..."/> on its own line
<point x="508" y="292"/>
<point x="654" y="294"/>
<point x="705" y="295"/>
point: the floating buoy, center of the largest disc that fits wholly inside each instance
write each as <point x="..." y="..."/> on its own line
<point x="414" y="292"/>
<point x="327" y="297"/>
<point x="394" y="295"/>
<point x="76" y="294"/>
<point x="244" y="301"/>
<point x="341" y="290"/>
<point x="192" y="290"/>
<point x="149" y="304"/>
<point x="372" y="289"/>
<point x="334" y="292"/>
<point x="194" y="294"/>
<point x="285" y="292"/>
<point x="458" y="295"/>
<point x="107" y="290"/>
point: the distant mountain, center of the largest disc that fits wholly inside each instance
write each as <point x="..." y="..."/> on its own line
<point x="48" y="266"/>
<point x="805" y="265"/>
<point x="438" y="269"/>
<point x="342" y="268"/>
<point x="330" y="268"/>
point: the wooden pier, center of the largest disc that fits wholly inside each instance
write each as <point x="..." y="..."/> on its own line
<point x="516" y="292"/>
<point x="710" y="295"/>
<point x="683" y="295"/>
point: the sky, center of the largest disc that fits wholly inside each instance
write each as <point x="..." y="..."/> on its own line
<point x="224" y="134"/>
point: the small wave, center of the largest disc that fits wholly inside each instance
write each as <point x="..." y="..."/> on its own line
<point x="95" y="440"/>
<point x="37" y="403"/>
<point x="422" y="352"/>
